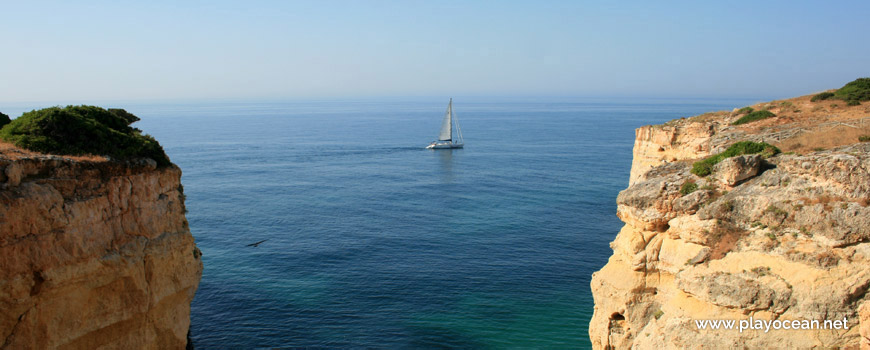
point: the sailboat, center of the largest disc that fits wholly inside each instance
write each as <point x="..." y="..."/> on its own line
<point x="445" y="137"/>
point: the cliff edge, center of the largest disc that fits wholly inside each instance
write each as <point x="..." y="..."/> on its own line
<point x="762" y="237"/>
<point x="94" y="253"/>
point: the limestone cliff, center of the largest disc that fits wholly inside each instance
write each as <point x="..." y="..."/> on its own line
<point x="782" y="238"/>
<point x="94" y="254"/>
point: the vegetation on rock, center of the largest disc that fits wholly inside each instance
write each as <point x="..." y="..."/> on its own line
<point x="745" y="110"/>
<point x="853" y="93"/>
<point x="82" y="130"/>
<point x="688" y="187"/>
<point x="120" y="112"/>
<point x="753" y="116"/>
<point x="857" y="90"/>
<point x="4" y="119"/>
<point x="705" y="167"/>
<point x="822" y="96"/>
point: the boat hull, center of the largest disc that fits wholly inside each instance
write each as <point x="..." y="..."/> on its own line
<point x="444" y="145"/>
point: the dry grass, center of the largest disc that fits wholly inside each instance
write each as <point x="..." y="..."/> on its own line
<point x="825" y="138"/>
<point x="709" y="116"/>
<point x="842" y="124"/>
<point x="12" y="152"/>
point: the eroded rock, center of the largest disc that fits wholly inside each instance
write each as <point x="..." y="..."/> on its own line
<point x="94" y="254"/>
<point x="732" y="170"/>
<point x="791" y="242"/>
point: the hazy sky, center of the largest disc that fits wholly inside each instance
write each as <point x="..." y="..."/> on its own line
<point x="126" y="50"/>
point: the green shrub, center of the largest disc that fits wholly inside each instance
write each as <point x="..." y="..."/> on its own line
<point x="127" y="116"/>
<point x="81" y="130"/>
<point x="822" y="96"/>
<point x="864" y="138"/>
<point x="853" y="103"/>
<point x="688" y="187"/>
<point x="857" y="90"/>
<point x="751" y="117"/>
<point x="4" y="119"/>
<point x="745" y="110"/>
<point x="705" y="167"/>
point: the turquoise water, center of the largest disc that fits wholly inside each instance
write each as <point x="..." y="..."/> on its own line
<point x="373" y="241"/>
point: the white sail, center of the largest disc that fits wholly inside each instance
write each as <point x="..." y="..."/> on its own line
<point x="447" y="125"/>
<point x="445" y="137"/>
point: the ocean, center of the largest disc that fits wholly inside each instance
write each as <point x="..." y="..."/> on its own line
<point x="372" y="241"/>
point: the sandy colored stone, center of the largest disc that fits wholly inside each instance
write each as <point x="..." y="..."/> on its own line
<point x="94" y="254"/>
<point x="864" y="319"/>
<point x="692" y="229"/>
<point x="659" y="144"/>
<point x="732" y="170"/>
<point x="788" y="241"/>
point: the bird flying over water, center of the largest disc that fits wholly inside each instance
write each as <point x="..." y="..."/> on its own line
<point x="256" y="244"/>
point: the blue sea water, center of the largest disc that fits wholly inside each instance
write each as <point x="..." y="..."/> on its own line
<point x="374" y="242"/>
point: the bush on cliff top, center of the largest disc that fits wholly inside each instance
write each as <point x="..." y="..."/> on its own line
<point x="822" y="96"/>
<point x="857" y="90"/>
<point x="81" y="130"/>
<point x="853" y="92"/>
<point x="127" y="116"/>
<point x="705" y="167"/>
<point x="4" y="119"/>
<point x="753" y="116"/>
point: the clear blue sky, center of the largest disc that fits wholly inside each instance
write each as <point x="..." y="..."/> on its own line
<point x="131" y="50"/>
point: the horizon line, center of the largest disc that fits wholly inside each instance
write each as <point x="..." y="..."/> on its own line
<point x="521" y="97"/>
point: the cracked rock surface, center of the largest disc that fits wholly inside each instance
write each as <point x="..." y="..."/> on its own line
<point x="94" y="254"/>
<point x="785" y="238"/>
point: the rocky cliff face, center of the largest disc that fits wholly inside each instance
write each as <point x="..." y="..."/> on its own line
<point x="783" y="238"/>
<point x="94" y="254"/>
